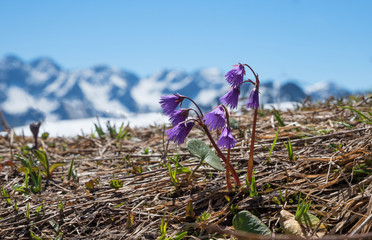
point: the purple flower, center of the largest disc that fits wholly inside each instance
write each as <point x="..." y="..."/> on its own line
<point x="178" y="116"/>
<point x="231" y="97"/>
<point x="235" y="76"/>
<point x="215" y="119"/>
<point x="170" y="102"/>
<point x="226" y="139"/>
<point x="253" y="101"/>
<point x="179" y="133"/>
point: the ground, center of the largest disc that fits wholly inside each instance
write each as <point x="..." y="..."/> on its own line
<point x="331" y="170"/>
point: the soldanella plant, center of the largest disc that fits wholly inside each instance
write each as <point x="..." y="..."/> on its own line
<point x="184" y="119"/>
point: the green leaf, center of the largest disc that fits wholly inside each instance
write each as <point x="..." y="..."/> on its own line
<point x="214" y="161"/>
<point x="247" y="222"/>
<point x="180" y="236"/>
<point x="312" y="222"/>
<point x="54" y="166"/>
<point x="362" y="116"/>
<point x="201" y="150"/>
<point x="198" y="148"/>
<point x="273" y="145"/>
<point x="278" y="118"/>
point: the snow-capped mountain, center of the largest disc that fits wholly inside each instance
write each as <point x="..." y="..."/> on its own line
<point x="41" y="89"/>
<point x="323" y="90"/>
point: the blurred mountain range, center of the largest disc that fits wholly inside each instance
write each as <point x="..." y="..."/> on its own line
<point x="41" y="89"/>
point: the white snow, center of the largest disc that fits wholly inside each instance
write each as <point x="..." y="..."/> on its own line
<point x="19" y="101"/>
<point x="72" y="128"/>
<point x="100" y="97"/>
<point x="148" y="92"/>
<point x="118" y="81"/>
<point x="282" y="106"/>
<point x="320" y="86"/>
<point x="44" y="70"/>
<point x="54" y="87"/>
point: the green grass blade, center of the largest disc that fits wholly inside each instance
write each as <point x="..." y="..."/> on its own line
<point x="357" y="111"/>
<point x="278" y="118"/>
<point x="274" y="142"/>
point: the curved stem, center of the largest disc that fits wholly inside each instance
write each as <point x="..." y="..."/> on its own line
<point x="250" y="81"/>
<point x="255" y="75"/>
<point x="201" y="113"/>
<point x="197" y="114"/>
<point x="227" y="170"/>
<point x="250" y="161"/>
<point x="229" y="167"/>
<point x="226" y="114"/>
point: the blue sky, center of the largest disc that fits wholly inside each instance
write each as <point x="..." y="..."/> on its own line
<point x="310" y="41"/>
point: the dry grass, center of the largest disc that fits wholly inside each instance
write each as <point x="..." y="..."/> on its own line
<point x="326" y="169"/>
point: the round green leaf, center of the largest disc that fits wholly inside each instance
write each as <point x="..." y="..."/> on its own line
<point x="247" y="222"/>
<point x="198" y="148"/>
<point x="214" y="161"/>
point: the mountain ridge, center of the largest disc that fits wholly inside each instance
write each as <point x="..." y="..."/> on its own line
<point x="41" y="88"/>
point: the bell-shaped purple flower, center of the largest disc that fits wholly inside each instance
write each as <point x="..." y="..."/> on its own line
<point x="178" y="116"/>
<point x="253" y="101"/>
<point x="215" y="119"/>
<point x="231" y="97"/>
<point x="235" y="76"/>
<point x="226" y="139"/>
<point x="170" y="102"/>
<point x="179" y="133"/>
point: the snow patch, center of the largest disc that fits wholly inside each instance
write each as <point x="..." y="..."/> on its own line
<point x="19" y="101"/>
<point x="72" y="128"/>
<point x="100" y="98"/>
<point x="118" y="81"/>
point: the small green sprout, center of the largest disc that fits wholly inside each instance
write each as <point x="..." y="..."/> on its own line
<point x="362" y="189"/>
<point x="278" y="118"/>
<point x="42" y="157"/>
<point x="71" y="172"/>
<point x="60" y="205"/>
<point x="163" y="229"/>
<point x="273" y="145"/>
<point x="30" y="169"/>
<point x="38" y="209"/>
<point x="116" y="184"/>
<point x="302" y="208"/>
<point x="15" y="206"/>
<point x="288" y="146"/>
<point x="28" y="216"/>
<point x="33" y="236"/>
<point x="234" y="209"/>
<point x="45" y="135"/>
<point x="173" y="175"/>
<point x="146" y="151"/>
<point x="203" y="217"/>
<point x="252" y="185"/>
<point x="91" y="184"/>
<point x="6" y="196"/>
<point x="275" y="200"/>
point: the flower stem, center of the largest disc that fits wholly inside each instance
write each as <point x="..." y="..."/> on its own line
<point x="227" y="171"/>
<point x="229" y="167"/>
<point x="250" y="161"/>
<point x="201" y="113"/>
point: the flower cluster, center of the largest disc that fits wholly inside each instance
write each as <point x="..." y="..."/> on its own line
<point x="181" y="127"/>
<point x="235" y="78"/>
<point x="215" y="120"/>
